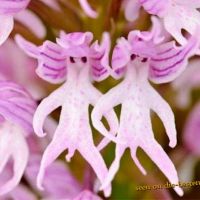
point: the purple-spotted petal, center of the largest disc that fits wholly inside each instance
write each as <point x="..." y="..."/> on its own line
<point x="99" y="58"/>
<point x="16" y="105"/>
<point x="171" y="60"/>
<point x="51" y="59"/>
<point x="11" y="7"/>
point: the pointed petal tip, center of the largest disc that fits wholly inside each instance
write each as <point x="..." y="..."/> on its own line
<point x="179" y="191"/>
<point x="39" y="183"/>
<point x="172" y="144"/>
<point x="41" y="134"/>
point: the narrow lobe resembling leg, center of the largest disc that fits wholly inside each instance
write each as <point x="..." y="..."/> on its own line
<point x="160" y="158"/>
<point x="135" y="159"/>
<point x="70" y="154"/>
<point x="94" y="158"/>
<point x="103" y="143"/>
<point x="114" y="167"/>
<point x="55" y="148"/>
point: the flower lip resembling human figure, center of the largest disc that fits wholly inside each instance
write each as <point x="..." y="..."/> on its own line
<point x="77" y="63"/>
<point x="186" y="11"/>
<point x="16" y="113"/>
<point x="143" y="56"/>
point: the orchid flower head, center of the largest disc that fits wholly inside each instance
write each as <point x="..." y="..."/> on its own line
<point x="78" y="46"/>
<point x="83" y="62"/>
<point x="166" y="60"/>
<point x="55" y="59"/>
<point x="16" y="111"/>
<point x="139" y="58"/>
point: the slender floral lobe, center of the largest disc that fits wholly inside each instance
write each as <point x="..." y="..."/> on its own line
<point x="87" y="8"/>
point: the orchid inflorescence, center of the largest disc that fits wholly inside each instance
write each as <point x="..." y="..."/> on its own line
<point x="75" y="60"/>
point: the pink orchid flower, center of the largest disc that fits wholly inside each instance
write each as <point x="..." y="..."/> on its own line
<point x="16" y="109"/>
<point x="138" y="59"/>
<point x="186" y="11"/>
<point x="78" y="63"/>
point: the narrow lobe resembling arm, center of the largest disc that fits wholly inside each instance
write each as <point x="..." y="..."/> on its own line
<point x="110" y="115"/>
<point x="50" y="103"/>
<point x="164" y="111"/>
<point x="113" y="122"/>
<point x="103" y="106"/>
